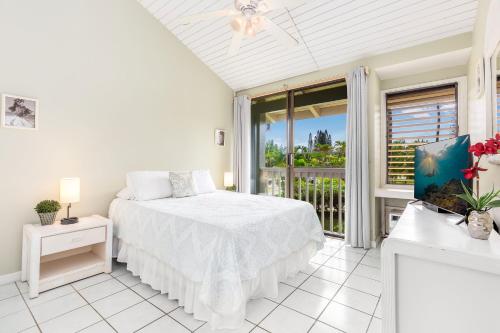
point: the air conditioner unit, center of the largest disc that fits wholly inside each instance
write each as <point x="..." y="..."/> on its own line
<point x="392" y="215"/>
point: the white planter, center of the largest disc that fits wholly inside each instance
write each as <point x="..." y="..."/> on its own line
<point x="480" y="224"/>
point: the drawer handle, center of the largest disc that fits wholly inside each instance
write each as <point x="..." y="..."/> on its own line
<point x="76" y="239"/>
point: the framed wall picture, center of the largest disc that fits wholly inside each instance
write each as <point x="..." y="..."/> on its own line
<point x="19" y="112"/>
<point x="220" y="137"/>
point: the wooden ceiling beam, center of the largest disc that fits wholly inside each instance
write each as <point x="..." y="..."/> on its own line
<point x="314" y="110"/>
<point x="270" y="118"/>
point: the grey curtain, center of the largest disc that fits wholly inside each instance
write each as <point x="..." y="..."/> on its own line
<point x="357" y="187"/>
<point x="242" y="145"/>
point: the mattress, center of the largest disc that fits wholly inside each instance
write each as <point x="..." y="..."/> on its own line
<point x="218" y="240"/>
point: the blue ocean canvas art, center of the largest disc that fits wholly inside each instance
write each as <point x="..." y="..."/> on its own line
<point x="438" y="174"/>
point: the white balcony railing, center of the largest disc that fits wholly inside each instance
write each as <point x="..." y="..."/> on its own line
<point x="324" y="188"/>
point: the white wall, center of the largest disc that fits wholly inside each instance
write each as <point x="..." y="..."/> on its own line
<point x="117" y="92"/>
<point x="486" y="37"/>
<point x="425" y="77"/>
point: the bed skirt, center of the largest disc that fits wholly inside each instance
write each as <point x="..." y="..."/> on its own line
<point x="167" y="280"/>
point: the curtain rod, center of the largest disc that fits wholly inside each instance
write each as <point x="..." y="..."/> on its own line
<point x="287" y="87"/>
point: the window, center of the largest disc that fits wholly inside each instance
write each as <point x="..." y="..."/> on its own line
<point x="415" y="117"/>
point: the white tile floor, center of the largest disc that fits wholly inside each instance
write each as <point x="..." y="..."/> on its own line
<point x="338" y="292"/>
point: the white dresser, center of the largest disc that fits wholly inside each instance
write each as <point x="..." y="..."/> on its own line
<point x="437" y="279"/>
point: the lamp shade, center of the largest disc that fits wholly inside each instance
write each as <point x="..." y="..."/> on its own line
<point x="228" y="179"/>
<point x="69" y="190"/>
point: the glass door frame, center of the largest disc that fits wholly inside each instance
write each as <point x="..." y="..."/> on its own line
<point x="290" y="102"/>
<point x="290" y="144"/>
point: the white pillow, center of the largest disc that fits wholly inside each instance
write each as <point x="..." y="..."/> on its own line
<point x="149" y="185"/>
<point x="125" y="194"/>
<point x="182" y="184"/>
<point x="203" y="182"/>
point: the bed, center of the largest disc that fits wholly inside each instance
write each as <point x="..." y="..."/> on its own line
<point x="213" y="252"/>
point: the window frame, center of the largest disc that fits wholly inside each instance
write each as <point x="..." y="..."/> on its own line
<point x="462" y="107"/>
<point x="495" y="105"/>
<point x="491" y="116"/>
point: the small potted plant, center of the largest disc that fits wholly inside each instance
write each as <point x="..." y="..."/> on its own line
<point x="47" y="211"/>
<point x="479" y="221"/>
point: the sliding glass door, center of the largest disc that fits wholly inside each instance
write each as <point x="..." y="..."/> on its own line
<point x="299" y="148"/>
<point x="319" y="129"/>
<point x="270" y="145"/>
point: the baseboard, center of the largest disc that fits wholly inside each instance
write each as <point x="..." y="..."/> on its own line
<point x="11" y="277"/>
<point x="376" y="242"/>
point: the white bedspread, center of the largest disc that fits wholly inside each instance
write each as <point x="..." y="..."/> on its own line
<point x="218" y="239"/>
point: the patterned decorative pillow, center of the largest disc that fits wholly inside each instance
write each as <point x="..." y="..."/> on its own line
<point x="182" y="184"/>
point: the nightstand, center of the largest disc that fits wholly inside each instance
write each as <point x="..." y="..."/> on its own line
<point x="54" y="255"/>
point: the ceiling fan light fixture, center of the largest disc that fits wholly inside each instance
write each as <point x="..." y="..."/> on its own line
<point x="250" y="29"/>
<point x="257" y="23"/>
<point x="238" y="24"/>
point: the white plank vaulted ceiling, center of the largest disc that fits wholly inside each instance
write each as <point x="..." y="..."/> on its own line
<point x="330" y="32"/>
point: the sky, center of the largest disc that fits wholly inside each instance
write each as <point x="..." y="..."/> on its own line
<point x="336" y="126"/>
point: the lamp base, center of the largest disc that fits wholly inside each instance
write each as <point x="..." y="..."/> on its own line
<point x="69" y="220"/>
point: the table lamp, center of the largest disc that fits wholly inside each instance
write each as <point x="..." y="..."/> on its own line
<point x="229" y="181"/>
<point x="69" y="193"/>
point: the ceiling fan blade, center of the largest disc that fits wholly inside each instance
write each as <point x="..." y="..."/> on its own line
<point x="205" y="16"/>
<point x="267" y="5"/>
<point x="281" y="35"/>
<point x="234" y="48"/>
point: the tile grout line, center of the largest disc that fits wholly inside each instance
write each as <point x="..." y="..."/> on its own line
<point x="104" y="319"/>
<point x="336" y="292"/>
<point x="130" y="288"/>
<point x="206" y="323"/>
<point x="62" y="314"/>
<point x="373" y="316"/>
<point x="298" y="287"/>
<point x="140" y="328"/>
<point x="378" y="303"/>
<point x="50" y="300"/>
<point x="319" y="278"/>
<point x="90" y="285"/>
<point x="342" y="285"/>
<point x="347" y="306"/>
<point x="126" y="287"/>
<point x="6" y="298"/>
<point x="100" y="299"/>
<point x="53" y="299"/>
<point x="90" y="304"/>
<point x="295" y="288"/>
<point x="31" y="313"/>
<point x="147" y="300"/>
<point x="87" y="303"/>
<point x="369" y="324"/>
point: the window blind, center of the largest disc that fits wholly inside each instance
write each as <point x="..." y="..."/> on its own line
<point x="414" y="118"/>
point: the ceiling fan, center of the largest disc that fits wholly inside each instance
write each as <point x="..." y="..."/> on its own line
<point x="247" y="19"/>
